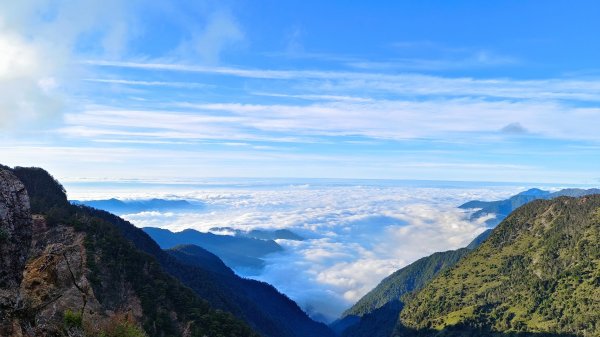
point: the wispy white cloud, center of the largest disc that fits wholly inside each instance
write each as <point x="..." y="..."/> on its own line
<point x="148" y="83"/>
<point x="383" y="119"/>
<point x="220" y="31"/>
<point x="40" y="39"/>
<point x="477" y="59"/>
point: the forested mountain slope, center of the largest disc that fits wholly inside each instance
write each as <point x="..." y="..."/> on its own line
<point x="65" y="272"/>
<point x="539" y="272"/>
<point x="376" y="314"/>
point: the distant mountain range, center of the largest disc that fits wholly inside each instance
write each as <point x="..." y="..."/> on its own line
<point x="73" y="270"/>
<point x="238" y="252"/>
<point x="242" y="250"/>
<point x="502" y="208"/>
<point x="283" y="234"/>
<point x="121" y="207"/>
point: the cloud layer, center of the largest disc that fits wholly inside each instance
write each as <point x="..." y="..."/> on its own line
<point x="357" y="234"/>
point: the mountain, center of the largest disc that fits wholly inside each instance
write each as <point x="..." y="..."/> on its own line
<point x="64" y="272"/>
<point x="283" y="234"/>
<point x="376" y="313"/>
<point x="537" y="274"/>
<point x="220" y="294"/>
<point x="263" y="297"/>
<point x="121" y="207"/>
<point x="502" y="208"/>
<point x="236" y="251"/>
<point x="133" y="277"/>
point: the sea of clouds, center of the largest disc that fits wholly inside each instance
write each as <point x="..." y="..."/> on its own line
<point x="357" y="234"/>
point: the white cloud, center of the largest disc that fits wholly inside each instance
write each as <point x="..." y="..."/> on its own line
<point x="26" y="82"/>
<point x="398" y="119"/>
<point x="220" y="31"/>
<point x="405" y="84"/>
<point x="37" y="39"/>
<point x="40" y="39"/>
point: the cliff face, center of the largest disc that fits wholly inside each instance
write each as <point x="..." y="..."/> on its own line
<point x="42" y="268"/>
<point x="15" y="239"/>
<point x="15" y="233"/>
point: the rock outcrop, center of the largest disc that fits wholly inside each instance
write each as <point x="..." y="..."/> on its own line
<point x="15" y="241"/>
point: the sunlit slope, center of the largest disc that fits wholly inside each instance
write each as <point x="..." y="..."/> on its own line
<point x="538" y="272"/>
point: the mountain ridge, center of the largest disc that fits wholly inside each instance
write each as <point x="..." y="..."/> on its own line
<point x="538" y="273"/>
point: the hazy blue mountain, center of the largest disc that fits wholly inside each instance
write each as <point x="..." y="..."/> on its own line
<point x="121" y="207"/>
<point x="575" y="192"/>
<point x="277" y="234"/>
<point x="237" y="252"/>
<point x="502" y="208"/>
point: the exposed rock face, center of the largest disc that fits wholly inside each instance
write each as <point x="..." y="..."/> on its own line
<point x="15" y="240"/>
<point x="43" y="270"/>
<point x="15" y="229"/>
<point x="54" y="280"/>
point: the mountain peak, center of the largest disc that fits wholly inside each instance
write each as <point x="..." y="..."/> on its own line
<point x="534" y="192"/>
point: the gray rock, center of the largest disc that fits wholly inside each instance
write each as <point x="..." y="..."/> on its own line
<point x="15" y="239"/>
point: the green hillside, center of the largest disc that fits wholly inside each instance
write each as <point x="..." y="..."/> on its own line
<point x="538" y="273"/>
<point x="376" y="313"/>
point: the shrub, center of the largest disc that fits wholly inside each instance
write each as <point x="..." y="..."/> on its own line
<point x="122" y="326"/>
<point x="72" y="319"/>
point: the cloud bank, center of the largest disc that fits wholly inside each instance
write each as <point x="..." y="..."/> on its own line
<point x="356" y="235"/>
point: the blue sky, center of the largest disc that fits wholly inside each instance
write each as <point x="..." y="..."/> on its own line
<point x="183" y="90"/>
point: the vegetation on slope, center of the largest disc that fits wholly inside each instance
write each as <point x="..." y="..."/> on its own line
<point x="502" y="208"/>
<point x="258" y="300"/>
<point x="539" y="272"/>
<point x="169" y="308"/>
<point x="376" y="314"/>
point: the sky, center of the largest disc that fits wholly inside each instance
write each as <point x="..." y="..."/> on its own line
<point x="183" y="90"/>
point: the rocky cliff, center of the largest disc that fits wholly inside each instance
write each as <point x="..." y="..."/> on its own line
<point x="15" y="239"/>
<point x="66" y="273"/>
